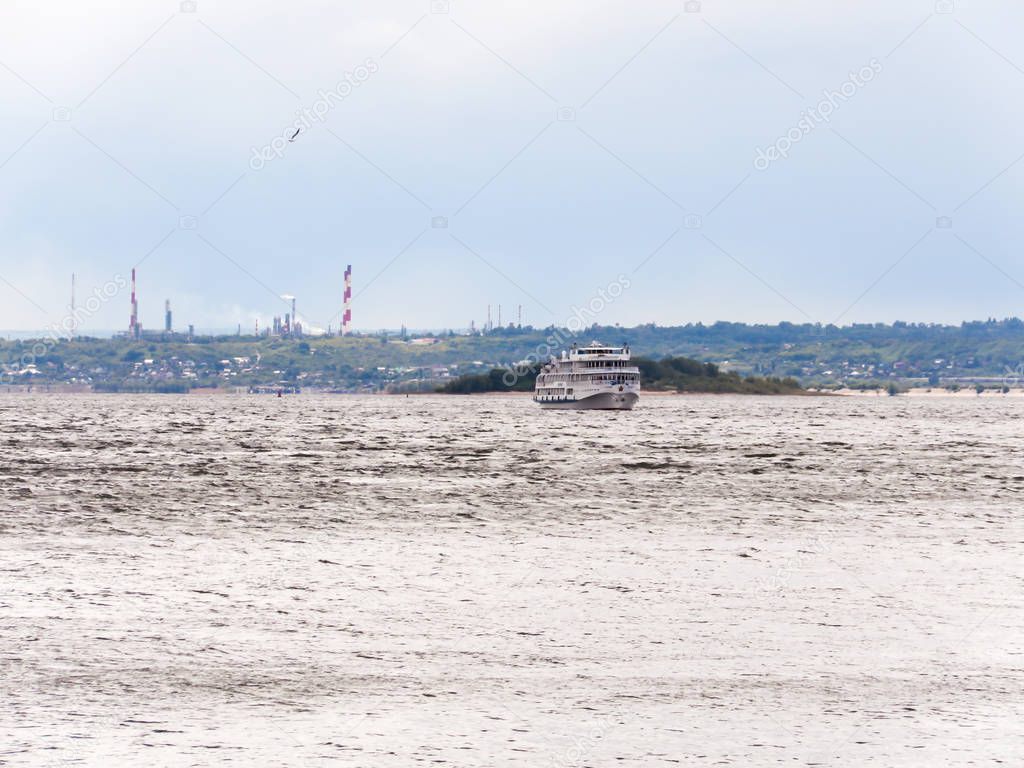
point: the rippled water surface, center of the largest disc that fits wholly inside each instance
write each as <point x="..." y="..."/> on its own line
<point x="191" y="581"/>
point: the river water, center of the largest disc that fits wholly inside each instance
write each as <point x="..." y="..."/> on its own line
<point x="192" y="581"/>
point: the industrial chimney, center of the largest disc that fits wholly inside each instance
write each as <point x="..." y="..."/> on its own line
<point x="133" y="324"/>
<point x="346" y="317"/>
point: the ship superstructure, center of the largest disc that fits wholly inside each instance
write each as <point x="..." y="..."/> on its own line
<point x="592" y="377"/>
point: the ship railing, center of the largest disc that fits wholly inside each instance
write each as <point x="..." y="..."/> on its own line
<point x="592" y="372"/>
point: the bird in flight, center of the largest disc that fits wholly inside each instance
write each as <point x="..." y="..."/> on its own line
<point x="297" y="131"/>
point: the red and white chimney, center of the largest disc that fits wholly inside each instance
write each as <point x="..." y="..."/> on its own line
<point x="346" y="318"/>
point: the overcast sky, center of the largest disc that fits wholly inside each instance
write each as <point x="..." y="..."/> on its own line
<point x="565" y="144"/>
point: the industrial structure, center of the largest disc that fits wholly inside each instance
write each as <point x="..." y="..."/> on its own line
<point x="290" y="325"/>
<point x="134" y="329"/>
<point x="287" y="326"/>
<point x="488" y="326"/>
<point x="346" y="318"/>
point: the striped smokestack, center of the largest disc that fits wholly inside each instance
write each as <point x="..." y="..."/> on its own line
<point x="346" y="318"/>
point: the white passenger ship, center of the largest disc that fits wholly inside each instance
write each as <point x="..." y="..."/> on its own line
<point x="589" y="377"/>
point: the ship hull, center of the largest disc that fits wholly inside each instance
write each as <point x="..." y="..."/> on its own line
<point x="602" y="401"/>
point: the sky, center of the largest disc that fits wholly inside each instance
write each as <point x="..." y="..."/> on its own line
<point x="644" y="161"/>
